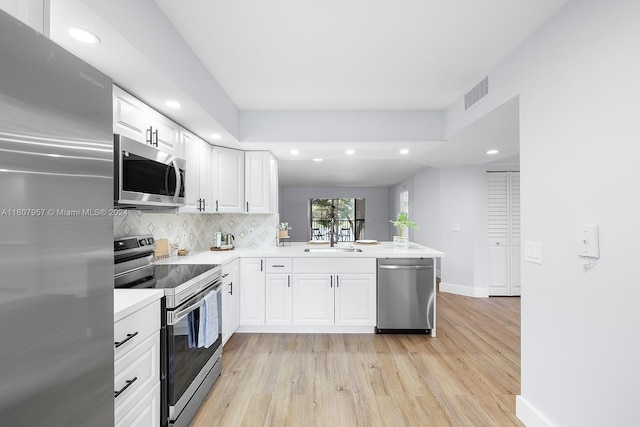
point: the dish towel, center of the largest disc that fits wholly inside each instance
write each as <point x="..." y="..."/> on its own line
<point x="208" y="331"/>
<point x="192" y="330"/>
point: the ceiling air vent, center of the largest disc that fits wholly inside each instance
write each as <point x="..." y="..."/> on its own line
<point x="475" y="94"/>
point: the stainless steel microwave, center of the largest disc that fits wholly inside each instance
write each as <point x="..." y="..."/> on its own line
<point x="145" y="177"/>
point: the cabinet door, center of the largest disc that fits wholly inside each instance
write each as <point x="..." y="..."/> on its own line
<point x="146" y="413"/>
<point x="198" y="194"/>
<point x="313" y="302"/>
<point x="252" y="304"/>
<point x="165" y="132"/>
<point x="257" y="181"/>
<point x="234" y="292"/>
<point x="355" y="299"/>
<point x="128" y="115"/>
<point x="227" y="307"/>
<point x="228" y="180"/>
<point x="278" y="299"/>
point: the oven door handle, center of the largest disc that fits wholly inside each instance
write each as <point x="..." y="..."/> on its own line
<point x="175" y="318"/>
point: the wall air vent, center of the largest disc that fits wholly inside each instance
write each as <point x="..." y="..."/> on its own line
<point x="475" y="94"/>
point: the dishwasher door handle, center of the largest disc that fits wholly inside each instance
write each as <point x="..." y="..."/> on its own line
<point x="406" y="267"/>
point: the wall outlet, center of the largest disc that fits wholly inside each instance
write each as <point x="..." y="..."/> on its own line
<point x="456" y="227"/>
<point x="533" y="252"/>
<point x="587" y="241"/>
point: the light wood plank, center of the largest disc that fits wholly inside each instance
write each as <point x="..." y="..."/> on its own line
<point x="468" y="375"/>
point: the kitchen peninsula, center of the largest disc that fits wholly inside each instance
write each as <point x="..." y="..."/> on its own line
<point x="281" y="289"/>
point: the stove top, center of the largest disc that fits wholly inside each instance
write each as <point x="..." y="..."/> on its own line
<point x="135" y="268"/>
<point x="170" y="276"/>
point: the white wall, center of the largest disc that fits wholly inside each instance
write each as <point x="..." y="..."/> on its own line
<point x="463" y="202"/>
<point x="578" y="82"/>
<point x="295" y="208"/>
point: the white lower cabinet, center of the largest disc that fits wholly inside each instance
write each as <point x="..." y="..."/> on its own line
<point x="230" y="299"/>
<point x="146" y="412"/>
<point x="334" y="291"/>
<point x="313" y="299"/>
<point x="334" y="299"/>
<point x="137" y="367"/>
<point x="278" y="309"/>
<point x="307" y="294"/>
<point x="355" y="299"/>
<point x="252" y="294"/>
<point x="278" y="299"/>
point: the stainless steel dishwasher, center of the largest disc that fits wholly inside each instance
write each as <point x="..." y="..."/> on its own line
<point x="406" y="295"/>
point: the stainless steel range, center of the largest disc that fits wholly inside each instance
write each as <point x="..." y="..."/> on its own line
<point x="192" y="320"/>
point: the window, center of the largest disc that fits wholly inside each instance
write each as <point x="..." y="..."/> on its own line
<point x="345" y="214"/>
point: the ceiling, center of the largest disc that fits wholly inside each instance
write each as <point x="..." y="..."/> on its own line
<point x="334" y="55"/>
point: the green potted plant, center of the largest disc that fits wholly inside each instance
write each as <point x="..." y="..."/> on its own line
<point x="402" y="223"/>
<point x="283" y="229"/>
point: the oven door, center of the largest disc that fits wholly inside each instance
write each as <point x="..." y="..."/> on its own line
<point x="189" y="361"/>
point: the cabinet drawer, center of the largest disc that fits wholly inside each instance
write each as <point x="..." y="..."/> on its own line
<point x="140" y="367"/>
<point x="146" y="413"/>
<point x="279" y="265"/>
<point x="334" y="265"/>
<point x="135" y="328"/>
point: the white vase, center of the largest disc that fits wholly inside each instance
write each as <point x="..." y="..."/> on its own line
<point x="400" y="242"/>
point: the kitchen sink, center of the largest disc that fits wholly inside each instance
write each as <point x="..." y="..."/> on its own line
<point x="333" y="250"/>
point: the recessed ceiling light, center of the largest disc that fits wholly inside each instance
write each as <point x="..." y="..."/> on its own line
<point x="404" y="151"/>
<point x="216" y="136"/>
<point x="173" y="104"/>
<point x="350" y="152"/>
<point x="294" y="152"/>
<point x="83" y="35"/>
<point x="317" y="160"/>
<point x="491" y="152"/>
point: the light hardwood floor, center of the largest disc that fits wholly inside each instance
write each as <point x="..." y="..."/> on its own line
<point x="468" y="375"/>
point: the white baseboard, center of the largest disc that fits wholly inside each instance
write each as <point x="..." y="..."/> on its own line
<point x="529" y="415"/>
<point x="301" y="329"/>
<point x="466" y="291"/>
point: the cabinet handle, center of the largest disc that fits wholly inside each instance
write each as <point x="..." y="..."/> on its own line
<point x="225" y="275"/>
<point x="278" y="265"/>
<point x="155" y="133"/>
<point x="331" y="277"/>
<point x="126" y="386"/>
<point x="216" y="206"/>
<point x="288" y="281"/>
<point x="260" y="265"/>
<point x="337" y="281"/>
<point x="247" y="206"/>
<point x="231" y="288"/>
<point x="149" y="135"/>
<point x="129" y="336"/>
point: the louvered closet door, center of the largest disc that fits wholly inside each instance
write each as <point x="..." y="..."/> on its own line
<point x="503" y="215"/>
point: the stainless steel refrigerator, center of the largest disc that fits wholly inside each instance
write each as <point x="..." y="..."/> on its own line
<point x="56" y="235"/>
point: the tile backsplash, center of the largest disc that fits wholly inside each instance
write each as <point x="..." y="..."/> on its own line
<point x="196" y="231"/>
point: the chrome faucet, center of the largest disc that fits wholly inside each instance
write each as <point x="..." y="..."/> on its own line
<point x="333" y="235"/>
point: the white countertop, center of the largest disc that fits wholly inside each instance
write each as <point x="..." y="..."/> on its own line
<point x="296" y="249"/>
<point x="128" y="301"/>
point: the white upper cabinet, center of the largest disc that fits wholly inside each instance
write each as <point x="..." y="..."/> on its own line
<point x="228" y="180"/>
<point x="261" y="182"/>
<point x="136" y="120"/>
<point x="198" y="191"/>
